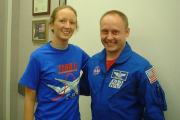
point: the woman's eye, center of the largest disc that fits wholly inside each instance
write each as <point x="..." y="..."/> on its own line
<point x="62" y="21"/>
<point x="72" y="23"/>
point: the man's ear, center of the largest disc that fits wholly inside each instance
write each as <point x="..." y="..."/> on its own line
<point x="127" y="32"/>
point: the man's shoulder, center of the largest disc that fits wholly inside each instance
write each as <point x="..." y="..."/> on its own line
<point x="97" y="56"/>
<point x="138" y="59"/>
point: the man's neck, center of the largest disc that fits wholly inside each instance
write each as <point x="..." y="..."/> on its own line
<point x="112" y="55"/>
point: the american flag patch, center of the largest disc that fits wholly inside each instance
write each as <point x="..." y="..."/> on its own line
<point x="151" y="74"/>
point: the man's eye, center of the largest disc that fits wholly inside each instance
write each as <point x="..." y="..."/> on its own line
<point x="115" y="32"/>
<point x="104" y="31"/>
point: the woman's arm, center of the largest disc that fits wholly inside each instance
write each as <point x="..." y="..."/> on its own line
<point x="30" y="97"/>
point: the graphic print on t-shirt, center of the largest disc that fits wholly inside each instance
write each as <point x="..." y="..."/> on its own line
<point x="68" y="85"/>
<point x="66" y="68"/>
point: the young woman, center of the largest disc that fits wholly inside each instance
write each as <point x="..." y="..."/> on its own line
<point x="53" y="72"/>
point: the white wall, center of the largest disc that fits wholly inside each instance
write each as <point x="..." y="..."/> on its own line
<point x="155" y="34"/>
<point x="155" y="28"/>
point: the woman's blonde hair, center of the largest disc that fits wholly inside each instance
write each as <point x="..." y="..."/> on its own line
<point x="54" y="13"/>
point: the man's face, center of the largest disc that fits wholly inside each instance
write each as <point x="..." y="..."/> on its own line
<point x="113" y="33"/>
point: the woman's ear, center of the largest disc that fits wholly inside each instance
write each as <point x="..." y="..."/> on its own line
<point x="52" y="26"/>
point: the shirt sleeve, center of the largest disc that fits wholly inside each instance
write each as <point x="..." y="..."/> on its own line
<point x="151" y="94"/>
<point x="31" y="76"/>
<point x="85" y="58"/>
<point x="84" y="82"/>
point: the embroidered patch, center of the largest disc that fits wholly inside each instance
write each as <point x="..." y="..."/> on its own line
<point x="119" y="75"/>
<point x="116" y="83"/>
<point x="96" y="70"/>
<point x="151" y="74"/>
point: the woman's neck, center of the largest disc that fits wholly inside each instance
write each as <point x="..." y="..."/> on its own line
<point x="60" y="43"/>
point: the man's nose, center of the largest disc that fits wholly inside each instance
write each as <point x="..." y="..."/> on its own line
<point x="110" y="37"/>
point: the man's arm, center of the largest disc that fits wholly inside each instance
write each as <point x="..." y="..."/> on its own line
<point x="30" y="97"/>
<point x="152" y="96"/>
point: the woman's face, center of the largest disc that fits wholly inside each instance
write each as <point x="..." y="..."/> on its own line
<point x="64" y="25"/>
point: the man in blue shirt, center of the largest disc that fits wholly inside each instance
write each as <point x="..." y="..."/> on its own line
<point x="123" y="85"/>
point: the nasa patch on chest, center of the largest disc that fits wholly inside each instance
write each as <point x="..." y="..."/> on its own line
<point x="116" y="83"/>
<point x="96" y="71"/>
<point x="119" y="75"/>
